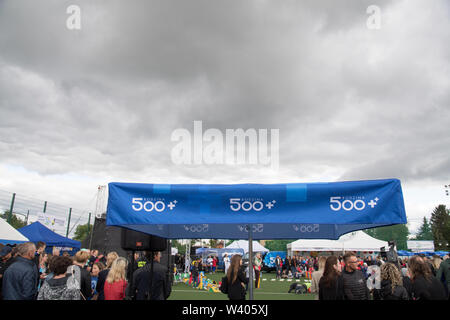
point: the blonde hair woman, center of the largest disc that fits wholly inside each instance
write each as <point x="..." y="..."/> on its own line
<point x="110" y="258"/>
<point x="316" y="275"/>
<point x="392" y="283"/>
<point x="116" y="281"/>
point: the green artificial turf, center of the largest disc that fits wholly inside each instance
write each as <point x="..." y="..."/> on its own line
<point x="269" y="290"/>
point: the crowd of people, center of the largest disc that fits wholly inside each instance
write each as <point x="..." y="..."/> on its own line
<point x="27" y="272"/>
<point x="352" y="278"/>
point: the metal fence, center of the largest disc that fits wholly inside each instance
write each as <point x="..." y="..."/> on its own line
<point x="62" y="219"/>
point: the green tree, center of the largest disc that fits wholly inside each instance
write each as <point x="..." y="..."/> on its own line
<point x="425" y="232"/>
<point x="213" y="243"/>
<point x="82" y="232"/>
<point x="15" y="222"/>
<point x="398" y="233"/>
<point x="440" y="226"/>
<point x="181" y="247"/>
<point x="277" y="245"/>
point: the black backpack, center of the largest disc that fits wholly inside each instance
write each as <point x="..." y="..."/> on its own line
<point x="224" y="286"/>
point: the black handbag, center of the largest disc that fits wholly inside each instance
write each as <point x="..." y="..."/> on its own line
<point x="224" y="285"/>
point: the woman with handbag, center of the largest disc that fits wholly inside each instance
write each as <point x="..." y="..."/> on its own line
<point x="236" y="279"/>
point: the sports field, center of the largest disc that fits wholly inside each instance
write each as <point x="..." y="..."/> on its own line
<point x="269" y="290"/>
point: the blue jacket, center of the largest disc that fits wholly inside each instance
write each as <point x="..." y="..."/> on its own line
<point x="20" y="280"/>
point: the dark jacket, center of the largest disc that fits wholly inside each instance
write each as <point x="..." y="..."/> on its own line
<point x="443" y="274"/>
<point x="85" y="283"/>
<point x="20" y="280"/>
<point x="428" y="289"/>
<point x="101" y="284"/>
<point x="333" y="292"/>
<point x="161" y="283"/>
<point x="407" y="283"/>
<point x="3" y="266"/>
<point x="287" y="264"/>
<point x="355" y="287"/>
<point x="236" y="291"/>
<point x="400" y="292"/>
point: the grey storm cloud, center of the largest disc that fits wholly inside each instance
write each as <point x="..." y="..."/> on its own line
<point x="105" y="99"/>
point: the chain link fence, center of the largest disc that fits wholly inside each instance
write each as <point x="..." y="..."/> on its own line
<point x="61" y="219"/>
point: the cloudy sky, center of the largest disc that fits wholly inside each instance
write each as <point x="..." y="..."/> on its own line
<point x="83" y="107"/>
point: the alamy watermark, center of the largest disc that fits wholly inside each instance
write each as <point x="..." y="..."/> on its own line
<point x="235" y="147"/>
<point x="374" y="20"/>
<point x="73" y="22"/>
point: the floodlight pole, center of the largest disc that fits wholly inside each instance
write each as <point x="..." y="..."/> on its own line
<point x="11" y="208"/>
<point x="250" y="261"/>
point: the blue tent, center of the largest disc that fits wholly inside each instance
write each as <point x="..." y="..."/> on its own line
<point x="255" y="211"/>
<point x="205" y="252"/>
<point x="404" y="253"/>
<point x="275" y="211"/>
<point x="441" y="253"/>
<point x="38" y="232"/>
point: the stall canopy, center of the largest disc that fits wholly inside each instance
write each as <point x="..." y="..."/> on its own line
<point x="272" y="211"/>
<point x="9" y="235"/>
<point x="243" y="244"/>
<point x="355" y="241"/>
<point x="38" y="232"/>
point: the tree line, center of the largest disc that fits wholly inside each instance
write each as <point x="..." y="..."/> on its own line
<point x="436" y="228"/>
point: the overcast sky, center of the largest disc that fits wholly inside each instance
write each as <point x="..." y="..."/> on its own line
<point x="81" y="108"/>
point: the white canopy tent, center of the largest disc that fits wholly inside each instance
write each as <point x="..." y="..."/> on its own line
<point x="355" y="241"/>
<point x="243" y="244"/>
<point x="9" y="235"/>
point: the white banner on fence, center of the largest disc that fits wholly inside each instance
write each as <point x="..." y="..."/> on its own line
<point x="51" y="222"/>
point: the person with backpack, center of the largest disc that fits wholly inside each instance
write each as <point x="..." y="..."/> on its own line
<point x="61" y="286"/>
<point x="234" y="282"/>
<point x="81" y="274"/>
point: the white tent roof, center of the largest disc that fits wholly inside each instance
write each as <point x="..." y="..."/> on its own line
<point x="355" y="241"/>
<point x="243" y="244"/>
<point x="10" y="235"/>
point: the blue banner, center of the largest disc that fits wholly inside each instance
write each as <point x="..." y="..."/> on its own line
<point x="269" y="258"/>
<point x="274" y="211"/>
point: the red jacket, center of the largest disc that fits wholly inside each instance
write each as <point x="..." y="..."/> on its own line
<point x="115" y="291"/>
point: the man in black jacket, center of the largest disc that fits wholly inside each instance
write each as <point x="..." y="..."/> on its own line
<point x="20" y="280"/>
<point x="161" y="286"/>
<point x="354" y="282"/>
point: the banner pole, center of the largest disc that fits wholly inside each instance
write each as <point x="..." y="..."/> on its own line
<point x="250" y="261"/>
